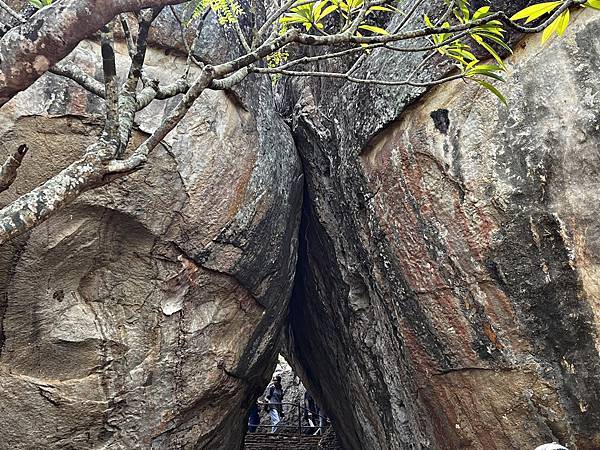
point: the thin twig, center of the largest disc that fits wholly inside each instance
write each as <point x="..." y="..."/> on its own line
<point x="111" y="87"/>
<point x="345" y="76"/>
<point x="69" y="70"/>
<point x="12" y="12"/>
<point x="8" y="171"/>
<point x="127" y="32"/>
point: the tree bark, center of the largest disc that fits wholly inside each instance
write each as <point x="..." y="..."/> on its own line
<point x="8" y="171"/>
<point x="28" y="51"/>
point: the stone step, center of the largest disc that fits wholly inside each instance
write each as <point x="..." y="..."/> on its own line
<point x="280" y="441"/>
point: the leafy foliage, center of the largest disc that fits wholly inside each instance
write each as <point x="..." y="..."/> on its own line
<point x="276" y="59"/>
<point x="533" y="12"/>
<point x="492" y="33"/>
<point x="227" y="11"/>
<point x="312" y="15"/>
<point x="476" y="40"/>
<point x="309" y="15"/>
<point x="559" y="24"/>
<point x="39" y="4"/>
<point x="484" y="35"/>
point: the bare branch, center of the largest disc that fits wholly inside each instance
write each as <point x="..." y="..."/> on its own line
<point x="350" y="78"/>
<point x="231" y="80"/>
<point x="241" y="37"/>
<point x="127" y="32"/>
<point x="353" y="50"/>
<point x="267" y="48"/>
<point x="408" y="16"/>
<point x="89" y="172"/>
<point x="111" y="87"/>
<point x="191" y="59"/>
<point x="181" y="29"/>
<point x="69" y="70"/>
<point x="128" y="104"/>
<point x="29" y="50"/>
<point x="8" y="171"/>
<point x="152" y="90"/>
<point x="140" y="156"/>
<point x="12" y="12"/>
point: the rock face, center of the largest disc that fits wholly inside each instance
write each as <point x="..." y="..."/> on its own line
<point x="447" y="291"/>
<point x="147" y="314"/>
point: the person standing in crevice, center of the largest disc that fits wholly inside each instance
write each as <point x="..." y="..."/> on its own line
<point x="253" y="418"/>
<point x="311" y="413"/>
<point x="274" y="398"/>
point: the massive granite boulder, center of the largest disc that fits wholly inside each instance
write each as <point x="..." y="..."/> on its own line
<point x="147" y="313"/>
<point x="447" y="288"/>
<point x="446" y="291"/>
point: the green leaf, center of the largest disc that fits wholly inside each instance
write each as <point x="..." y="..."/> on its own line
<point x="594" y="4"/>
<point x="481" y="12"/>
<point x="428" y="21"/>
<point x="292" y="19"/>
<point x="464" y="11"/>
<point x="492" y="89"/>
<point x="563" y="22"/>
<point x="492" y="52"/>
<point x="488" y="70"/>
<point x="373" y="28"/>
<point x="328" y="10"/>
<point x="489" y="67"/>
<point x="534" y="11"/>
<point x="488" y="28"/>
<point x="496" y="40"/>
<point x="550" y="29"/>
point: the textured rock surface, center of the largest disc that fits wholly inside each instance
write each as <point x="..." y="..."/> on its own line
<point x="147" y="314"/>
<point x="446" y="296"/>
<point x="447" y="292"/>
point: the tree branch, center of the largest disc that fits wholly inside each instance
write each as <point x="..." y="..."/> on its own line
<point x="128" y="104"/>
<point x="127" y="33"/>
<point x="111" y="87"/>
<point x="8" y="171"/>
<point x="140" y="156"/>
<point x="31" y="209"/>
<point x="69" y="70"/>
<point x="29" y="50"/>
<point x="54" y="31"/>
<point x="12" y="12"/>
<point x="348" y="77"/>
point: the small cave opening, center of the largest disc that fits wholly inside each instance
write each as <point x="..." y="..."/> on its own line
<point x="287" y="416"/>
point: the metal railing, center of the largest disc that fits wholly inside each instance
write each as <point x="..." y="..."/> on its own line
<point x="301" y="413"/>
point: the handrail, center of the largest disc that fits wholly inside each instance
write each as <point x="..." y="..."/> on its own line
<point x="299" y="426"/>
<point x="296" y="405"/>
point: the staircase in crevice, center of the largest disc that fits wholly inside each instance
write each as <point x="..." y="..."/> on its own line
<point x="284" y="441"/>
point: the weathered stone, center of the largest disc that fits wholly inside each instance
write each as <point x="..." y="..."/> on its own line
<point x="447" y="293"/>
<point x="147" y="313"/>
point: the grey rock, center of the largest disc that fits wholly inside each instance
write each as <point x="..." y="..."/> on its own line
<point x="446" y="292"/>
<point x="147" y="314"/>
